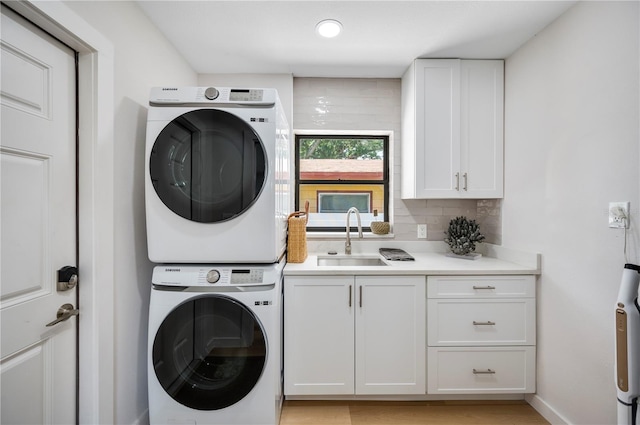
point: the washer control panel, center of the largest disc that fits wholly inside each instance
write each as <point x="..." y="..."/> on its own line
<point x="235" y="276"/>
<point x="215" y="275"/>
<point x="246" y="276"/>
<point x="246" y="95"/>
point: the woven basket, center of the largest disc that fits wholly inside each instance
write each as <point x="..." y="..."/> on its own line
<point x="297" y="238"/>
<point x="380" y="227"/>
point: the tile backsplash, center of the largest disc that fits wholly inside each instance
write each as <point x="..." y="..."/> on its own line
<point x="373" y="104"/>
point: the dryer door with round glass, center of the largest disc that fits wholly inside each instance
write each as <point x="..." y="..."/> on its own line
<point x="209" y="352"/>
<point x="208" y="166"/>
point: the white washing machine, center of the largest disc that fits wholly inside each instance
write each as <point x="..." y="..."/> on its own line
<point x="215" y="344"/>
<point x="217" y="180"/>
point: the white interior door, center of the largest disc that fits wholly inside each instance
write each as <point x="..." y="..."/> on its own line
<point x="38" y="225"/>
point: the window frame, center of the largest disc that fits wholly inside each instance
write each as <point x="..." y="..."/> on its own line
<point x="385" y="182"/>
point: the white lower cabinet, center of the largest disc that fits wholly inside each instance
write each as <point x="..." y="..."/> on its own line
<point x="390" y="335"/>
<point x="477" y="370"/>
<point x="354" y="335"/>
<point x="481" y="322"/>
<point x="319" y="335"/>
<point x="481" y="334"/>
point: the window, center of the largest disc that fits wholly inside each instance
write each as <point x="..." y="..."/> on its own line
<point x="335" y="173"/>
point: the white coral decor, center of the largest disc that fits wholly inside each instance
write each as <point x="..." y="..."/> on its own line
<point x="462" y="235"/>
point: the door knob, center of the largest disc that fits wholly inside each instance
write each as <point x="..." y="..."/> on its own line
<point x="67" y="278"/>
<point x="64" y="312"/>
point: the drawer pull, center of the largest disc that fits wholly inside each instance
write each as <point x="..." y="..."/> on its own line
<point x="487" y="323"/>
<point x="484" y="372"/>
<point x="484" y="287"/>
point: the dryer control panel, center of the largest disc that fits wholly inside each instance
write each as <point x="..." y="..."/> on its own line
<point x="216" y="275"/>
<point x="172" y="96"/>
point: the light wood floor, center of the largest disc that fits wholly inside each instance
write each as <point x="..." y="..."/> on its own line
<point x="409" y="413"/>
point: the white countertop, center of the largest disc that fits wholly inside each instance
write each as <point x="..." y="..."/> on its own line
<point x="495" y="260"/>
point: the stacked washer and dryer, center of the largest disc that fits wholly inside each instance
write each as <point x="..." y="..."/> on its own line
<point x="217" y="196"/>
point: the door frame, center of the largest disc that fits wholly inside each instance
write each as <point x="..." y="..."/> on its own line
<point x="95" y="201"/>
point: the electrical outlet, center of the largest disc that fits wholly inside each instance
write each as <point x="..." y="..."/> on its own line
<point x="619" y="215"/>
<point x="422" y="231"/>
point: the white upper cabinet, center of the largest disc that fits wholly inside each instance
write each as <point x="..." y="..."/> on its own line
<point x="452" y="129"/>
<point x="482" y="128"/>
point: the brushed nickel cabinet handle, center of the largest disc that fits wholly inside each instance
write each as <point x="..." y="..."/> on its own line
<point x="484" y="372"/>
<point x="484" y="287"/>
<point x="350" y="295"/>
<point x="360" y="296"/>
<point x="487" y="323"/>
<point x="464" y="176"/>
<point x="457" y="181"/>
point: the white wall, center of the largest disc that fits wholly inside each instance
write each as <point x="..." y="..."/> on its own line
<point x="143" y="58"/>
<point x="572" y="145"/>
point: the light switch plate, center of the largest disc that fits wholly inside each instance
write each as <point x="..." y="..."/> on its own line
<point x="619" y="215"/>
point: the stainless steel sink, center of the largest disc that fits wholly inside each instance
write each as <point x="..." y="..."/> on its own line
<point x="350" y="261"/>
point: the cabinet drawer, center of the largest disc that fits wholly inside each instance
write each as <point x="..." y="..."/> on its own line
<point x="481" y="286"/>
<point x="481" y="322"/>
<point x="489" y="370"/>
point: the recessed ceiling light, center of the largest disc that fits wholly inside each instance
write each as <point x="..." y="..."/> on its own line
<point x="329" y="28"/>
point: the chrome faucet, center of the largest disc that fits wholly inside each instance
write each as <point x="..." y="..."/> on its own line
<point x="347" y="244"/>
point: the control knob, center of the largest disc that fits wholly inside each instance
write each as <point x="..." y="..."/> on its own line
<point x="213" y="276"/>
<point x="211" y="93"/>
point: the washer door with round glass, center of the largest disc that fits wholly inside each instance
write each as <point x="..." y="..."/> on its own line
<point x="208" y="166"/>
<point x="209" y="352"/>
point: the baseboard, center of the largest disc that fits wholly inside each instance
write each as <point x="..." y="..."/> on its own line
<point x="415" y="397"/>
<point x="143" y="419"/>
<point x="547" y="412"/>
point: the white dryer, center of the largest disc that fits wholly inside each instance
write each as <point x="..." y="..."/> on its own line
<point x="215" y="344"/>
<point x="217" y="185"/>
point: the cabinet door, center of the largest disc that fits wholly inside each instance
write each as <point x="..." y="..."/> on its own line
<point x="437" y="128"/>
<point x="390" y="335"/>
<point x="481" y="128"/>
<point x="319" y="335"/>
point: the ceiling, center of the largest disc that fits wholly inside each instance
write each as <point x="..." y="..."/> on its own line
<point x="379" y="39"/>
